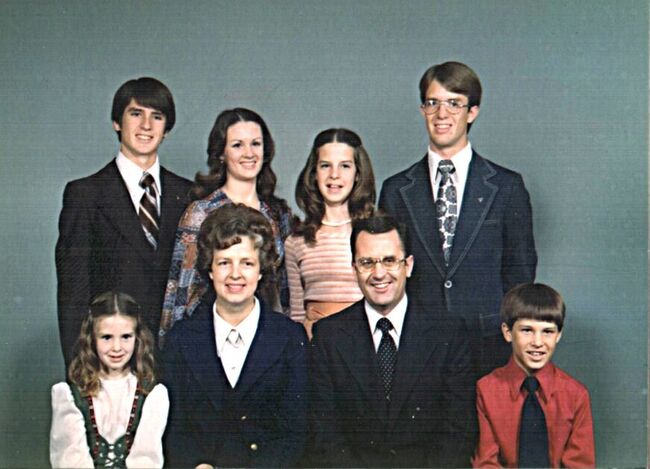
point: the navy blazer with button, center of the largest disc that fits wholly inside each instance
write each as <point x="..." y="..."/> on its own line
<point x="262" y="422"/>
<point x="430" y="420"/>
<point x="493" y="248"/>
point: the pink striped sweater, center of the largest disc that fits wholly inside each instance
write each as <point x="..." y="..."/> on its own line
<point x="322" y="272"/>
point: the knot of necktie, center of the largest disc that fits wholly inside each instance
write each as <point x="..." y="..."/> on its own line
<point x="234" y="338"/>
<point x="531" y="384"/>
<point x="446" y="167"/>
<point x="384" y="325"/>
<point x="147" y="180"/>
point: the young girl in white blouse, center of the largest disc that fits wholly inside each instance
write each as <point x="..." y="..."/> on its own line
<point x="336" y="186"/>
<point x="111" y="412"/>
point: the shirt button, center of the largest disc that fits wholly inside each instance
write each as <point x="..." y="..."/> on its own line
<point x="448" y="284"/>
<point x="253" y="447"/>
<point x="243" y="417"/>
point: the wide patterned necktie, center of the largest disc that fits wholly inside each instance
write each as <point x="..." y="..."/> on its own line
<point x="148" y="211"/>
<point x="533" y="435"/>
<point x="446" y="207"/>
<point x="387" y="355"/>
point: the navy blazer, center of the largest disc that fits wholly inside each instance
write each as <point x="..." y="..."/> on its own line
<point x="430" y="420"/>
<point x="264" y="421"/>
<point x="493" y="248"/>
<point x="102" y="247"/>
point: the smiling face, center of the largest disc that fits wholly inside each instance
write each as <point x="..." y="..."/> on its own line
<point x="244" y="151"/>
<point x="115" y="343"/>
<point x="142" y="130"/>
<point x="382" y="288"/>
<point x="533" y="342"/>
<point x="447" y="132"/>
<point x="335" y="172"/>
<point x="235" y="273"/>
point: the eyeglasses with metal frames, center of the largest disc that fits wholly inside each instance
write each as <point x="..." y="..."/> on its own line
<point x="368" y="264"/>
<point x="432" y="106"/>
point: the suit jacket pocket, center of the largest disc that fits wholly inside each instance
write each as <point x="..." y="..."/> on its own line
<point x="491" y="222"/>
<point x="489" y="323"/>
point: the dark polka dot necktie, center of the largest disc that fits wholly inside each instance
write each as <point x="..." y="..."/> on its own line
<point x="387" y="355"/>
<point x="148" y="211"/>
<point x="446" y="207"/>
<point x="533" y="435"/>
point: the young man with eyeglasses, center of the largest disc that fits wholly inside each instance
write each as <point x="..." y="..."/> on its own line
<point x="392" y="385"/>
<point x="470" y="218"/>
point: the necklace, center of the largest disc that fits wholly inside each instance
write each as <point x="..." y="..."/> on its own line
<point x="336" y="223"/>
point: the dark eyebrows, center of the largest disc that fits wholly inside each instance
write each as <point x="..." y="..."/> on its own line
<point x="139" y="108"/>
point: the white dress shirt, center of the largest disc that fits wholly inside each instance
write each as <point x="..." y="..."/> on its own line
<point x="233" y="355"/>
<point x="132" y="173"/>
<point x="396" y="317"/>
<point x="461" y="162"/>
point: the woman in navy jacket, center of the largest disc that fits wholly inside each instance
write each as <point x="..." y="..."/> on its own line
<point x="236" y="371"/>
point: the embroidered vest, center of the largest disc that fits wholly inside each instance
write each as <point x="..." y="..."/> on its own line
<point x="103" y="453"/>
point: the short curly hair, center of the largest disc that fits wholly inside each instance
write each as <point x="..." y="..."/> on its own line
<point x="225" y="227"/>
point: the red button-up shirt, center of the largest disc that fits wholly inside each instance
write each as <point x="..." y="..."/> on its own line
<point x="567" y="410"/>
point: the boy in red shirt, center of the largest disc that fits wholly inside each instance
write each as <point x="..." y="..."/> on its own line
<point x="531" y="413"/>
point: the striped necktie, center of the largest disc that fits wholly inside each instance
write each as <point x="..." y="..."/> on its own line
<point x="148" y="211"/>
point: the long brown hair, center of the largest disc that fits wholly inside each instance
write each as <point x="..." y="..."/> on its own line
<point x="205" y="184"/>
<point x="85" y="368"/>
<point x="361" y="201"/>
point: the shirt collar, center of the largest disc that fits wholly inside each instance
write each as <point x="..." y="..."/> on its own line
<point x="132" y="173"/>
<point x="515" y="376"/>
<point x="461" y="162"/>
<point x="247" y="328"/>
<point x="396" y="316"/>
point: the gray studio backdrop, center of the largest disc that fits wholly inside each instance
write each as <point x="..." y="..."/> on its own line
<point x="565" y="104"/>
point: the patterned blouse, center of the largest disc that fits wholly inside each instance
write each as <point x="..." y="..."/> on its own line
<point x="186" y="285"/>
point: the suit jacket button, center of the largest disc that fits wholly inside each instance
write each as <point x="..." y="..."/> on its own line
<point x="253" y="447"/>
<point x="448" y="284"/>
<point x="243" y="417"/>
